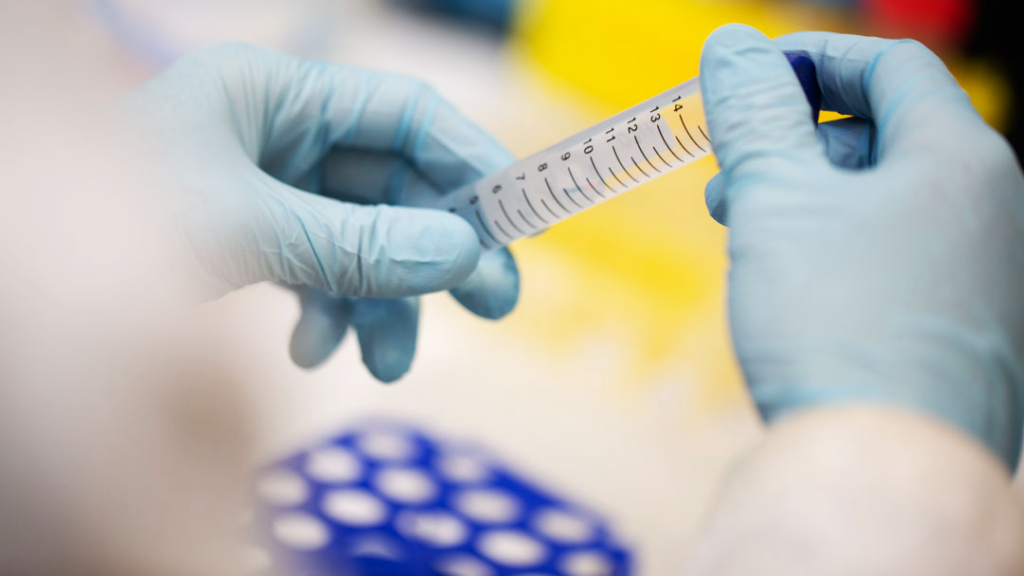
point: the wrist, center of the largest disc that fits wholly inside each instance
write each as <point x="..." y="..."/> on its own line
<point x="969" y="381"/>
<point x="864" y="490"/>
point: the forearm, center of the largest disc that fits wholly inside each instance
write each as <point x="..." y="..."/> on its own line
<point x="864" y="490"/>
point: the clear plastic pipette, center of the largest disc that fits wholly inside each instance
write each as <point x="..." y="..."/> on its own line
<point x="649" y="140"/>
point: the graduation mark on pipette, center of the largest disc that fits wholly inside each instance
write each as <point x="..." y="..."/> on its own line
<point x="550" y="179"/>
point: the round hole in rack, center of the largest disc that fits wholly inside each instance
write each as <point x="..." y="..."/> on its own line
<point x="406" y="485"/>
<point x="333" y="465"/>
<point x="488" y="505"/>
<point x="563" y="526"/>
<point x="586" y="563"/>
<point x="463" y="468"/>
<point x="354" y="507"/>
<point x="301" y="531"/>
<point x="436" y="528"/>
<point x="387" y="446"/>
<point x="513" y="548"/>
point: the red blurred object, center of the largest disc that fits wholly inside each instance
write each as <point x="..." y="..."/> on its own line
<point x="937" y="23"/>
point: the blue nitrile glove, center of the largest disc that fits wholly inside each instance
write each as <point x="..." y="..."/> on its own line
<point x="879" y="259"/>
<point x="296" y="171"/>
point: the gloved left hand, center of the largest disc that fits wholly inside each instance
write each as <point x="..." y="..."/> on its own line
<point x="301" y="172"/>
<point x="876" y="259"/>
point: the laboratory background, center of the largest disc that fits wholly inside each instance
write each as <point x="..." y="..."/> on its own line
<point x="608" y="405"/>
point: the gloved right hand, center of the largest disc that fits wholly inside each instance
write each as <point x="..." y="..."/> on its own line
<point x="304" y="173"/>
<point x="879" y="259"/>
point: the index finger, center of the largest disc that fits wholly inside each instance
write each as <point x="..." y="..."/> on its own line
<point x="901" y="85"/>
<point x="326" y="105"/>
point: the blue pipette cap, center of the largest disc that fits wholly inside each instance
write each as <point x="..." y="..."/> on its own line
<point x="806" y="72"/>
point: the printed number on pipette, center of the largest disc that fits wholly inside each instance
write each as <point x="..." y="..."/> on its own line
<point x="649" y="140"/>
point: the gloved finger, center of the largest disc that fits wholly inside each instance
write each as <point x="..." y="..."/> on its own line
<point x="899" y="84"/>
<point x="321" y="327"/>
<point x="387" y="334"/>
<point x="492" y="290"/>
<point x="756" y="109"/>
<point x="352" y="250"/>
<point x="375" y="177"/>
<point x="715" y="198"/>
<point x="323" y="106"/>
<point x="410" y="118"/>
<point x="849" y="142"/>
<point x="451" y="151"/>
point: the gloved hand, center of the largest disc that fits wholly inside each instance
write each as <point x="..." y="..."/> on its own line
<point x="879" y="259"/>
<point x="298" y="172"/>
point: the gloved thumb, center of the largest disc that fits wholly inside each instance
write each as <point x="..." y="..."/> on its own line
<point x="348" y="249"/>
<point x="756" y="109"/>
